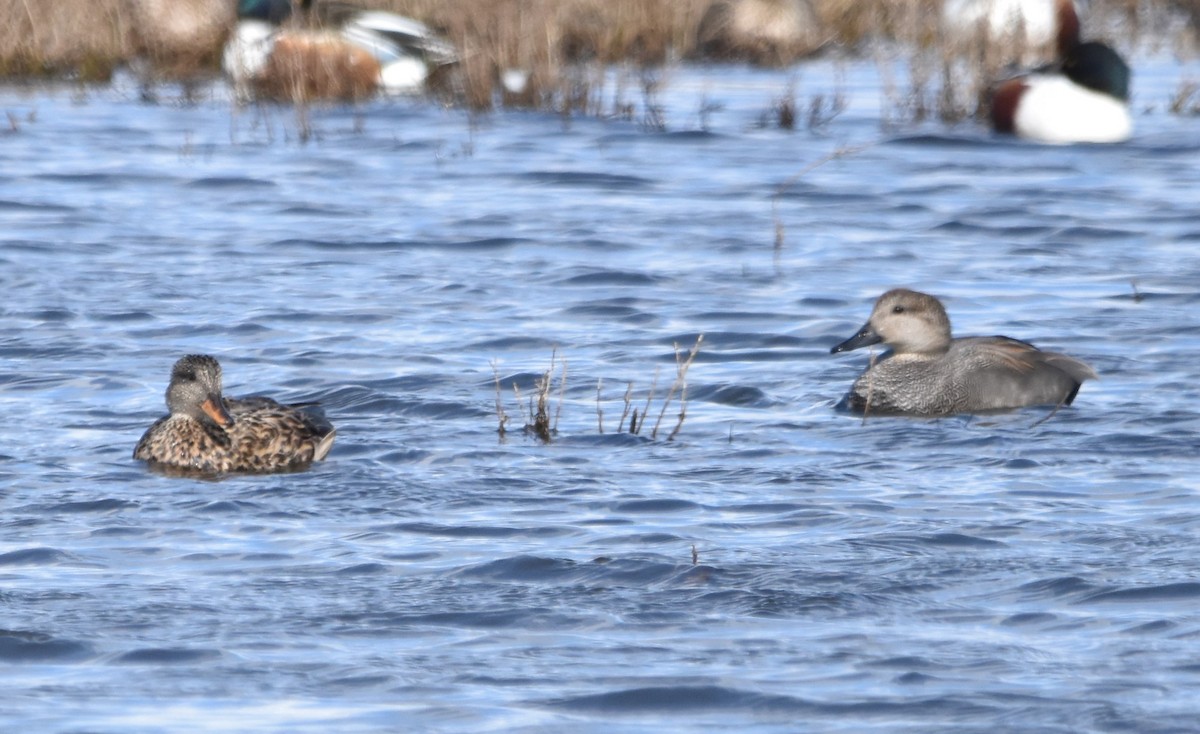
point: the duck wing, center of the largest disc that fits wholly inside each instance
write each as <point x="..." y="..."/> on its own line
<point x="270" y="435"/>
<point x="377" y="29"/>
<point x="1002" y="373"/>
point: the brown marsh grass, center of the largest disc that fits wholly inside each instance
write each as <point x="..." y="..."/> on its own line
<point x="676" y="392"/>
<point x="565" y="49"/>
<point x="538" y="421"/>
<point x="637" y="410"/>
<point x="83" y="39"/>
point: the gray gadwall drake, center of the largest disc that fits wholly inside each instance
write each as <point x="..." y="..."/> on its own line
<point x="208" y="433"/>
<point x="929" y="373"/>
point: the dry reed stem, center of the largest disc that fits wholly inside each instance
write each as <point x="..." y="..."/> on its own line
<point x="1186" y="100"/>
<point x="635" y="426"/>
<point x="599" y="409"/>
<point x="517" y="394"/>
<point x="628" y="403"/>
<point x="1048" y="416"/>
<point x="539" y="419"/>
<point x="538" y="415"/>
<point x="501" y="416"/>
<point x="840" y="152"/>
<point x="562" y="389"/>
<point x="679" y="384"/>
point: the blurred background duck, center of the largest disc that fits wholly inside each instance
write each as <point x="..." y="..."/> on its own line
<point x="763" y="32"/>
<point x="308" y="50"/>
<point x="177" y="40"/>
<point x="1083" y="97"/>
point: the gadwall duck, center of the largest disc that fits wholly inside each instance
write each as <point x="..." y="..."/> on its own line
<point x="929" y="373"/>
<point x="1082" y="98"/>
<point x="207" y="433"/>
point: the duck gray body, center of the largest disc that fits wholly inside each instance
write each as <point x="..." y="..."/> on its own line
<point x="210" y="434"/>
<point x="930" y="373"/>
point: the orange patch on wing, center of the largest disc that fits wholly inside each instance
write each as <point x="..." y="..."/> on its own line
<point x="1015" y="355"/>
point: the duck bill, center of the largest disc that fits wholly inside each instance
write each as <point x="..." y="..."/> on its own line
<point x="214" y="408"/>
<point x="865" y="337"/>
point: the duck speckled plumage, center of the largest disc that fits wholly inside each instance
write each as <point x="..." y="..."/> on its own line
<point x="208" y="433"/>
<point x="929" y="373"/>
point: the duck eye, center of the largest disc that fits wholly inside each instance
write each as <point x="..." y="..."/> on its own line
<point x="898" y="309"/>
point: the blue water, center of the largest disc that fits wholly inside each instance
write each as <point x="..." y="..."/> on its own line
<point x="778" y="566"/>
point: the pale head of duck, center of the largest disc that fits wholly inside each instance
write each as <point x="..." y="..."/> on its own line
<point x="195" y="390"/>
<point x="907" y="321"/>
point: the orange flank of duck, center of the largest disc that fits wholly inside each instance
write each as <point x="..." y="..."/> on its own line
<point x="318" y="65"/>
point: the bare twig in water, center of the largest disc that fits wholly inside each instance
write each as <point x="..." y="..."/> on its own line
<point x="695" y="555"/>
<point x="785" y="108"/>
<point x="653" y="118"/>
<point x="501" y="416"/>
<point x="1137" y="295"/>
<point x="517" y="394"/>
<point x="304" y="126"/>
<point x="840" y="152"/>
<point x="680" y="384"/>
<point x="562" y="389"/>
<point x="1184" y="101"/>
<point x="1049" y="415"/>
<point x="821" y="114"/>
<point x="707" y="107"/>
<point x="625" y="413"/>
<point x="599" y="410"/>
<point x="539" y="412"/>
<point x="635" y="425"/>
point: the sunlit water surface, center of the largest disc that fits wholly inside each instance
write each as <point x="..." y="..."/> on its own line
<point x="778" y="566"/>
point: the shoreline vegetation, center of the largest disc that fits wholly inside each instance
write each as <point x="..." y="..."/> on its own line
<point x="565" y="49"/>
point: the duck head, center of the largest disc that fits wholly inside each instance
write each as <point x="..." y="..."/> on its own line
<point x="272" y="11"/>
<point x="907" y="321"/>
<point x="1098" y="67"/>
<point x="195" y="390"/>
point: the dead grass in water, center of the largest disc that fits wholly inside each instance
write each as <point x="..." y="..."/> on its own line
<point x="81" y="39"/>
<point x="543" y="406"/>
<point x="565" y="50"/>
